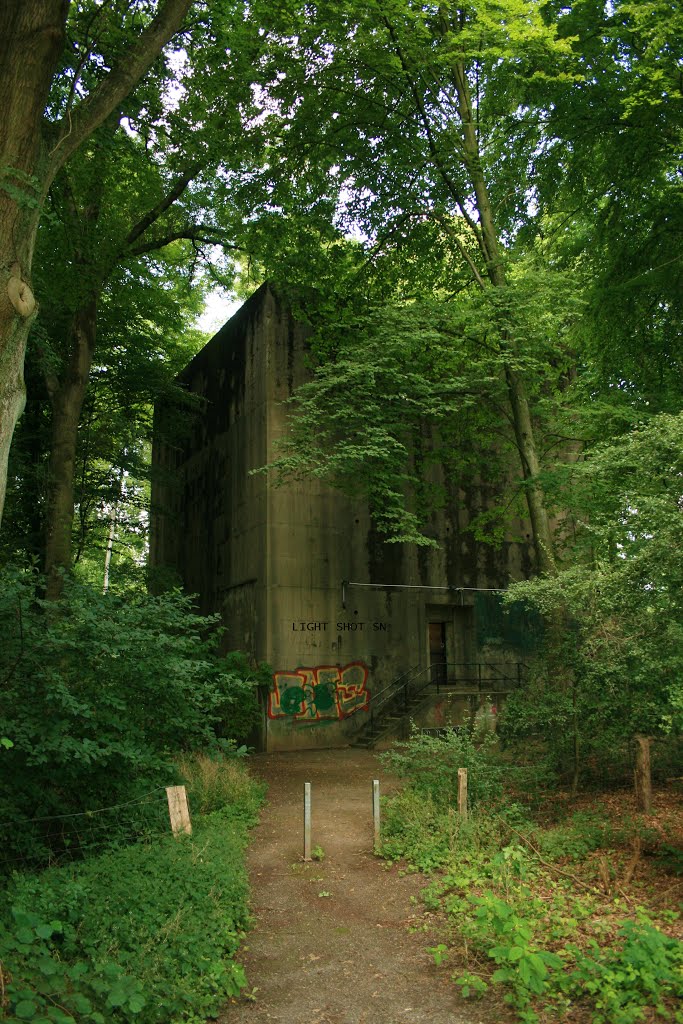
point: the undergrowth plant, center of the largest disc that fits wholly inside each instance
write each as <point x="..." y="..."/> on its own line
<point x="430" y="764"/>
<point x="218" y="780"/>
<point x="146" y="934"/>
<point x="555" y="947"/>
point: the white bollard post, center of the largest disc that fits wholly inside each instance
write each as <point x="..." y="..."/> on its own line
<point x="307" y="821"/>
<point x="375" y="811"/>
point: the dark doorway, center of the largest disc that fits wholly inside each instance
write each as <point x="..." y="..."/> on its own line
<point x="437" y="652"/>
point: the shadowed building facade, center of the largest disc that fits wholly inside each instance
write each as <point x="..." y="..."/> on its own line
<point x="298" y="574"/>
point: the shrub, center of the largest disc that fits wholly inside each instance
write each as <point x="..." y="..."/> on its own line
<point x="431" y="836"/>
<point x="413" y="827"/>
<point x="99" y="692"/>
<point x="430" y="766"/>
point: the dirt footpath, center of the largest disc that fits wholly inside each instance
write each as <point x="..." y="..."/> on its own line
<point x="331" y="942"/>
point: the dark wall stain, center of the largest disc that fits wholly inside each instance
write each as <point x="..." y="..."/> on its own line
<point x="385" y="561"/>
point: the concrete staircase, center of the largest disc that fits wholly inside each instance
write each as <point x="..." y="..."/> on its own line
<point x="403" y="698"/>
<point x="389" y="724"/>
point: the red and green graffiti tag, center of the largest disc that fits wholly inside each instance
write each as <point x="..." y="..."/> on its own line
<point x="324" y="693"/>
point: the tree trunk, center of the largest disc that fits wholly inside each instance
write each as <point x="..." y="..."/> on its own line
<point x="67" y="401"/>
<point x="14" y="333"/>
<point x="516" y="387"/>
<point x="643" y="777"/>
<point x="111" y="537"/>
<point x="31" y="153"/>
<point x="531" y="467"/>
<point x="31" y="40"/>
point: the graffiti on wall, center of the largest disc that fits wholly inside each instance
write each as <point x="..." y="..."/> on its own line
<point x="322" y="694"/>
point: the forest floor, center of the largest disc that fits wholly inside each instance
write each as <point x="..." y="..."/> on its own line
<point x="339" y="940"/>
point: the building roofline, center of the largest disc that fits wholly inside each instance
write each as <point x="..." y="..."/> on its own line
<point x="230" y="329"/>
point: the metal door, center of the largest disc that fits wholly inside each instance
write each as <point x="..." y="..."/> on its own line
<point x="437" y="652"/>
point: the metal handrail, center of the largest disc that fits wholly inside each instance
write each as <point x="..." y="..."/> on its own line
<point x="402" y="684"/>
<point x="394" y="685"/>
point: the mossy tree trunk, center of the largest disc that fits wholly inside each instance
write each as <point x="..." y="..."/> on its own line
<point x="32" y="151"/>
<point x="66" y="397"/>
<point x="31" y="41"/>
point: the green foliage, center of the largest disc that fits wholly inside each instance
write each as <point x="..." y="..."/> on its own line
<point x="219" y="780"/>
<point x="147" y="934"/>
<point x="412" y="827"/>
<point x="521" y="963"/>
<point x="440" y="953"/>
<point x="431" y="836"/>
<point x="471" y="985"/>
<point x="405" y="399"/>
<point x="236" y="710"/>
<point x="532" y="942"/>
<point x="390" y="157"/>
<point x="612" y="662"/>
<point x="643" y="969"/>
<point x="100" y="692"/>
<point x="127" y="244"/>
<point x="426" y="339"/>
<point x="586" y="221"/>
<point x="549" y="947"/>
<point x="581" y="834"/>
<point x="430" y="765"/>
<point x="618" y="982"/>
<point x="612" y="160"/>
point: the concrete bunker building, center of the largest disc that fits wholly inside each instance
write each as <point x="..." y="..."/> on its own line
<point x="298" y="574"/>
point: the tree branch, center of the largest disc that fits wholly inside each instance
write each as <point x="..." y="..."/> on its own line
<point x="446" y="177"/>
<point x="194" y="232"/>
<point x="123" y="77"/>
<point x="168" y="200"/>
<point x="448" y="228"/>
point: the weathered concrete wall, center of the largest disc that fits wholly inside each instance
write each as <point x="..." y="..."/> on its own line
<point x="273" y="559"/>
<point x="209" y="515"/>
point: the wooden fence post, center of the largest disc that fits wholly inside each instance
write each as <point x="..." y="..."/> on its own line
<point x="462" y="792"/>
<point x="178" y="810"/>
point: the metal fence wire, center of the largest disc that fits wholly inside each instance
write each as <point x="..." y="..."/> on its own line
<point x="35" y="843"/>
<point x="614" y="768"/>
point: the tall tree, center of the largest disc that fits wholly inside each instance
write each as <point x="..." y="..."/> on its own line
<point x="113" y="211"/>
<point x="35" y="146"/>
<point x="430" y="115"/>
<point x="610" y="173"/>
<point x="148" y="178"/>
<point x="615" y="670"/>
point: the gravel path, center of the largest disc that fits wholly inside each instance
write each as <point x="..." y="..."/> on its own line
<point x="332" y="940"/>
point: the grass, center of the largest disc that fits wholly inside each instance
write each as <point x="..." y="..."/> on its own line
<point x="216" y="782"/>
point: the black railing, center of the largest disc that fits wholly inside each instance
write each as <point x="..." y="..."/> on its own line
<point x="474" y="677"/>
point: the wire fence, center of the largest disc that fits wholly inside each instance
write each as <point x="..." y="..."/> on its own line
<point x="603" y="770"/>
<point x="46" y="841"/>
<point x="613" y="769"/>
